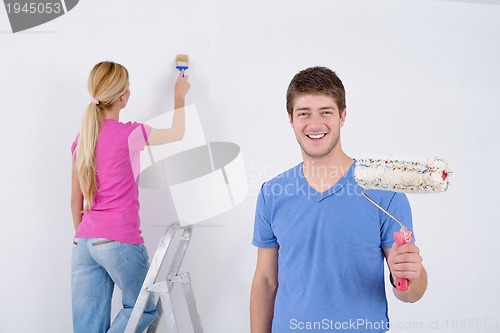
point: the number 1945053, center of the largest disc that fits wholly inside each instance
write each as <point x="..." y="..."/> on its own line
<point x="34" y="8"/>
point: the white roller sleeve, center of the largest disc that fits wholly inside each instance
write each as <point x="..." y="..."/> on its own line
<point x="403" y="174"/>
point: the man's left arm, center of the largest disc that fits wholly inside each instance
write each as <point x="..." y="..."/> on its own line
<point x="406" y="262"/>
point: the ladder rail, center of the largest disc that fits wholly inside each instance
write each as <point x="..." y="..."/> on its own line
<point x="150" y="288"/>
<point x="150" y="278"/>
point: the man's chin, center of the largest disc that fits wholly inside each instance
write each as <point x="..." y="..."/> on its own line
<point x="316" y="154"/>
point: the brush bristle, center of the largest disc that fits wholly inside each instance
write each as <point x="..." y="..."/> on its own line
<point x="408" y="175"/>
<point x="184" y="58"/>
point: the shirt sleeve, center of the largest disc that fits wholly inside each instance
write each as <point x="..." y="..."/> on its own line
<point x="400" y="208"/>
<point x="138" y="137"/>
<point x="263" y="235"/>
<point x="73" y="148"/>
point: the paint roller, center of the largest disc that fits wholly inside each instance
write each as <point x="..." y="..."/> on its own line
<point x="407" y="175"/>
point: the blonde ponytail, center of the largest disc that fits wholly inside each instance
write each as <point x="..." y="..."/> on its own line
<point x="85" y="156"/>
<point x="107" y="82"/>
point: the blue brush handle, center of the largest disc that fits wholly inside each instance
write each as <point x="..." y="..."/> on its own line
<point x="182" y="68"/>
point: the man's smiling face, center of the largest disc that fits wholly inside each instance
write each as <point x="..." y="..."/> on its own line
<point x="316" y="122"/>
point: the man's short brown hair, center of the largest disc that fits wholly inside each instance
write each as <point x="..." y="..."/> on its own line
<point x="315" y="81"/>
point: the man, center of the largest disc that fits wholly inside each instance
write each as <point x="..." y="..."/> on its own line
<point x="322" y="245"/>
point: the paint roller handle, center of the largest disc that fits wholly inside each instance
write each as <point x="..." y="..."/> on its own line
<point x="402" y="237"/>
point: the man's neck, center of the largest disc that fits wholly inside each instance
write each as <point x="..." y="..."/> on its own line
<point x="323" y="173"/>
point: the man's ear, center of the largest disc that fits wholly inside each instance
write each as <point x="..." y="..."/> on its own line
<point x="343" y="115"/>
<point x="290" y="118"/>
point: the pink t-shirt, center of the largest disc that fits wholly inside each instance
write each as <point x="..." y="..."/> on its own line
<point x="115" y="210"/>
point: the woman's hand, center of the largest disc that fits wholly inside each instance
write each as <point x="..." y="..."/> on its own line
<point x="181" y="86"/>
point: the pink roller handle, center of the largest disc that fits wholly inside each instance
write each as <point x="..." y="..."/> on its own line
<point x="402" y="237"/>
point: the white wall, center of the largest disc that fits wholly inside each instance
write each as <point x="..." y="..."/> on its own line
<point x="422" y="78"/>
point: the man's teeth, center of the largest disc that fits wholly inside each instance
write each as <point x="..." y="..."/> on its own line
<point x="316" y="136"/>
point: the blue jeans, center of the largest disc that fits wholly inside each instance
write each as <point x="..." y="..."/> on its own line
<point x="97" y="264"/>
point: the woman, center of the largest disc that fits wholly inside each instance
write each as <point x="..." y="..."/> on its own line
<point x="109" y="248"/>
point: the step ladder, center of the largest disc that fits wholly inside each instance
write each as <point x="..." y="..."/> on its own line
<point x="161" y="291"/>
